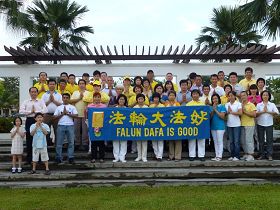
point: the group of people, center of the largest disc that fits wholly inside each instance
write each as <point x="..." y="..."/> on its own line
<point x="241" y="112"/>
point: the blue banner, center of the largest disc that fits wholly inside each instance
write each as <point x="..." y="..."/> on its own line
<point x="167" y="123"/>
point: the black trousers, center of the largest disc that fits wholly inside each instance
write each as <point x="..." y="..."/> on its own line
<point x="101" y="149"/>
<point x="29" y="139"/>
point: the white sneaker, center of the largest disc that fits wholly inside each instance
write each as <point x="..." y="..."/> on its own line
<point x="230" y="159"/>
<point x="137" y="159"/>
<point x="145" y="160"/>
<point x="218" y="159"/>
<point x="123" y="161"/>
<point x="250" y="158"/>
<point x="244" y="157"/>
<point x="116" y="160"/>
<point x="19" y="170"/>
<point x="235" y="159"/>
<point x="214" y="159"/>
<point x="14" y="170"/>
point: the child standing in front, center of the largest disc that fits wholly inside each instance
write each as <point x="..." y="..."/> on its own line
<point x="39" y="131"/>
<point x="141" y="144"/>
<point x="17" y="135"/>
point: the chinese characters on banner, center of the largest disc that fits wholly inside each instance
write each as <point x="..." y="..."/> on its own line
<point x="167" y="123"/>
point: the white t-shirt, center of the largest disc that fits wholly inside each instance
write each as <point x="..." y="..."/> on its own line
<point x="65" y="120"/>
<point x="266" y="119"/>
<point x="57" y="97"/>
<point x="219" y="90"/>
<point x="233" y="120"/>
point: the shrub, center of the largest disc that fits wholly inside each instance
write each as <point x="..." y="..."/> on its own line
<point x="277" y="122"/>
<point x="6" y="124"/>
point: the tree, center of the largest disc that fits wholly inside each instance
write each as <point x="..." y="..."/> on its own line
<point x="264" y="14"/>
<point x="9" y="93"/>
<point x="9" y="9"/>
<point x="52" y="23"/>
<point x="227" y="29"/>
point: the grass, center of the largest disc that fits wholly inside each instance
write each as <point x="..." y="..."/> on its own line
<point x="114" y="198"/>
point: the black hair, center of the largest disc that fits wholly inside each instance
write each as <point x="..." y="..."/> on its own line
<point x="51" y="80"/>
<point x="158" y="85"/>
<point x="232" y="73"/>
<point x="72" y="75"/>
<point x="139" y="96"/>
<point x="156" y="95"/>
<point x="244" y="92"/>
<point x="82" y="80"/>
<point x="168" y="82"/>
<point x="228" y="85"/>
<point x="172" y="91"/>
<point x="63" y="73"/>
<point x="62" y="80"/>
<point x="198" y="75"/>
<point x="219" y="98"/>
<point x="248" y="69"/>
<point x="138" y="86"/>
<point x="32" y="88"/>
<point x="42" y="72"/>
<point x="205" y="85"/>
<point x="137" y="77"/>
<point x="253" y="87"/>
<point x="122" y="96"/>
<point x="192" y="75"/>
<point x="214" y="75"/>
<point x="96" y="72"/>
<point x="233" y="93"/>
<point x="221" y="72"/>
<point x="144" y="80"/>
<point x="150" y="71"/>
<point x="269" y="94"/>
<point x="39" y="114"/>
<point x="195" y="91"/>
<point x="14" y="122"/>
<point x="183" y="81"/>
<point x="66" y="94"/>
<point x="261" y="79"/>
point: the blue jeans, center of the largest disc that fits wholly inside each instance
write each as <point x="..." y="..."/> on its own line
<point x="234" y="138"/>
<point x="62" y="131"/>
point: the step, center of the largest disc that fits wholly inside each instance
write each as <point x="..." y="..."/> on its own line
<point x="131" y="182"/>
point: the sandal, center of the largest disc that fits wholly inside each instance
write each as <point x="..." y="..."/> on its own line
<point x="32" y="172"/>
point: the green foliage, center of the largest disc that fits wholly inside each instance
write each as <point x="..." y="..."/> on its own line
<point x="6" y="124"/>
<point x="276" y="123"/>
<point x="263" y="14"/>
<point x="52" y="23"/>
<point x="273" y="85"/>
<point x="9" y="96"/>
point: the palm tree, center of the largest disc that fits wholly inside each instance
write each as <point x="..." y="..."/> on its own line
<point x="52" y="23"/>
<point x="9" y="9"/>
<point x="264" y="14"/>
<point x="227" y="29"/>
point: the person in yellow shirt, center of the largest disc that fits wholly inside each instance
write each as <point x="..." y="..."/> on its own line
<point x="61" y="88"/>
<point x="200" y="142"/>
<point x="248" y="80"/>
<point x="247" y="126"/>
<point x="147" y="88"/>
<point x="150" y="76"/>
<point x="222" y="82"/>
<point x="97" y="88"/>
<point x="132" y="100"/>
<point x="89" y="86"/>
<point x="128" y="89"/>
<point x="42" y="85"/>
<point x="71" y="85"/>
<point x="225" y="98"/>
<point x="169" y="77"/>
<point x="175" y="146"/>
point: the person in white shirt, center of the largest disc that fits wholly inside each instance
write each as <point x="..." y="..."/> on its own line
<point x="29" y="108"/>
<point x="214" y="88"/>
<point x="234" y="111"/>
<point x="65" y="114"/>
<point x="206" y="97"/>
<point x="52" y="99"/>
<point x="265" y="112"/>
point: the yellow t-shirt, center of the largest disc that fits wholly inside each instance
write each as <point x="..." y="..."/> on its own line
<point x="246" y="120"/>
<point x="61" y="92"/>
<point x="39" y="85"/>
<point x="168" y="104"/>
<point x="132" y="101"/>
<point x="89" y="87"/>
<point x="195" y="103"/>
<point x="72" y="88"/>
<point x="89" y="98"/>
<point x="246" y="83"/>
<point x="153" y="84"/>
<point x="80" y="105"/>
<point x="224" y="99"/>
<point x="130" y="93"/>
<point x="225" y="83"/>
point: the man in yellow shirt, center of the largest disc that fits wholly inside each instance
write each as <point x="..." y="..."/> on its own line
<point x="248" y="80"/>
<point x="247" y="126"/>
<point x="71" y="85"/>
<point x="150" y="76"/>
<point x="221" y="76"/>
<point x="61" y="87"/>
<point x="89" y="86"/>
<point x="42" y="85"/>
<point x="97" y="88"/>
<point x="137" y="89"/>
<point x="128" y="89"/>
<point x="200" y="142"/>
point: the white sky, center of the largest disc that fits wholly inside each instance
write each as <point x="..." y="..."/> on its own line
<point x="139" y="22"/>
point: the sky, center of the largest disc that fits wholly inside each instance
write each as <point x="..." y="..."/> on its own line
<point x="139" y="22"/>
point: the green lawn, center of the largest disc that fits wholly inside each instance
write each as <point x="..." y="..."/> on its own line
<point x="112" y="198"/>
